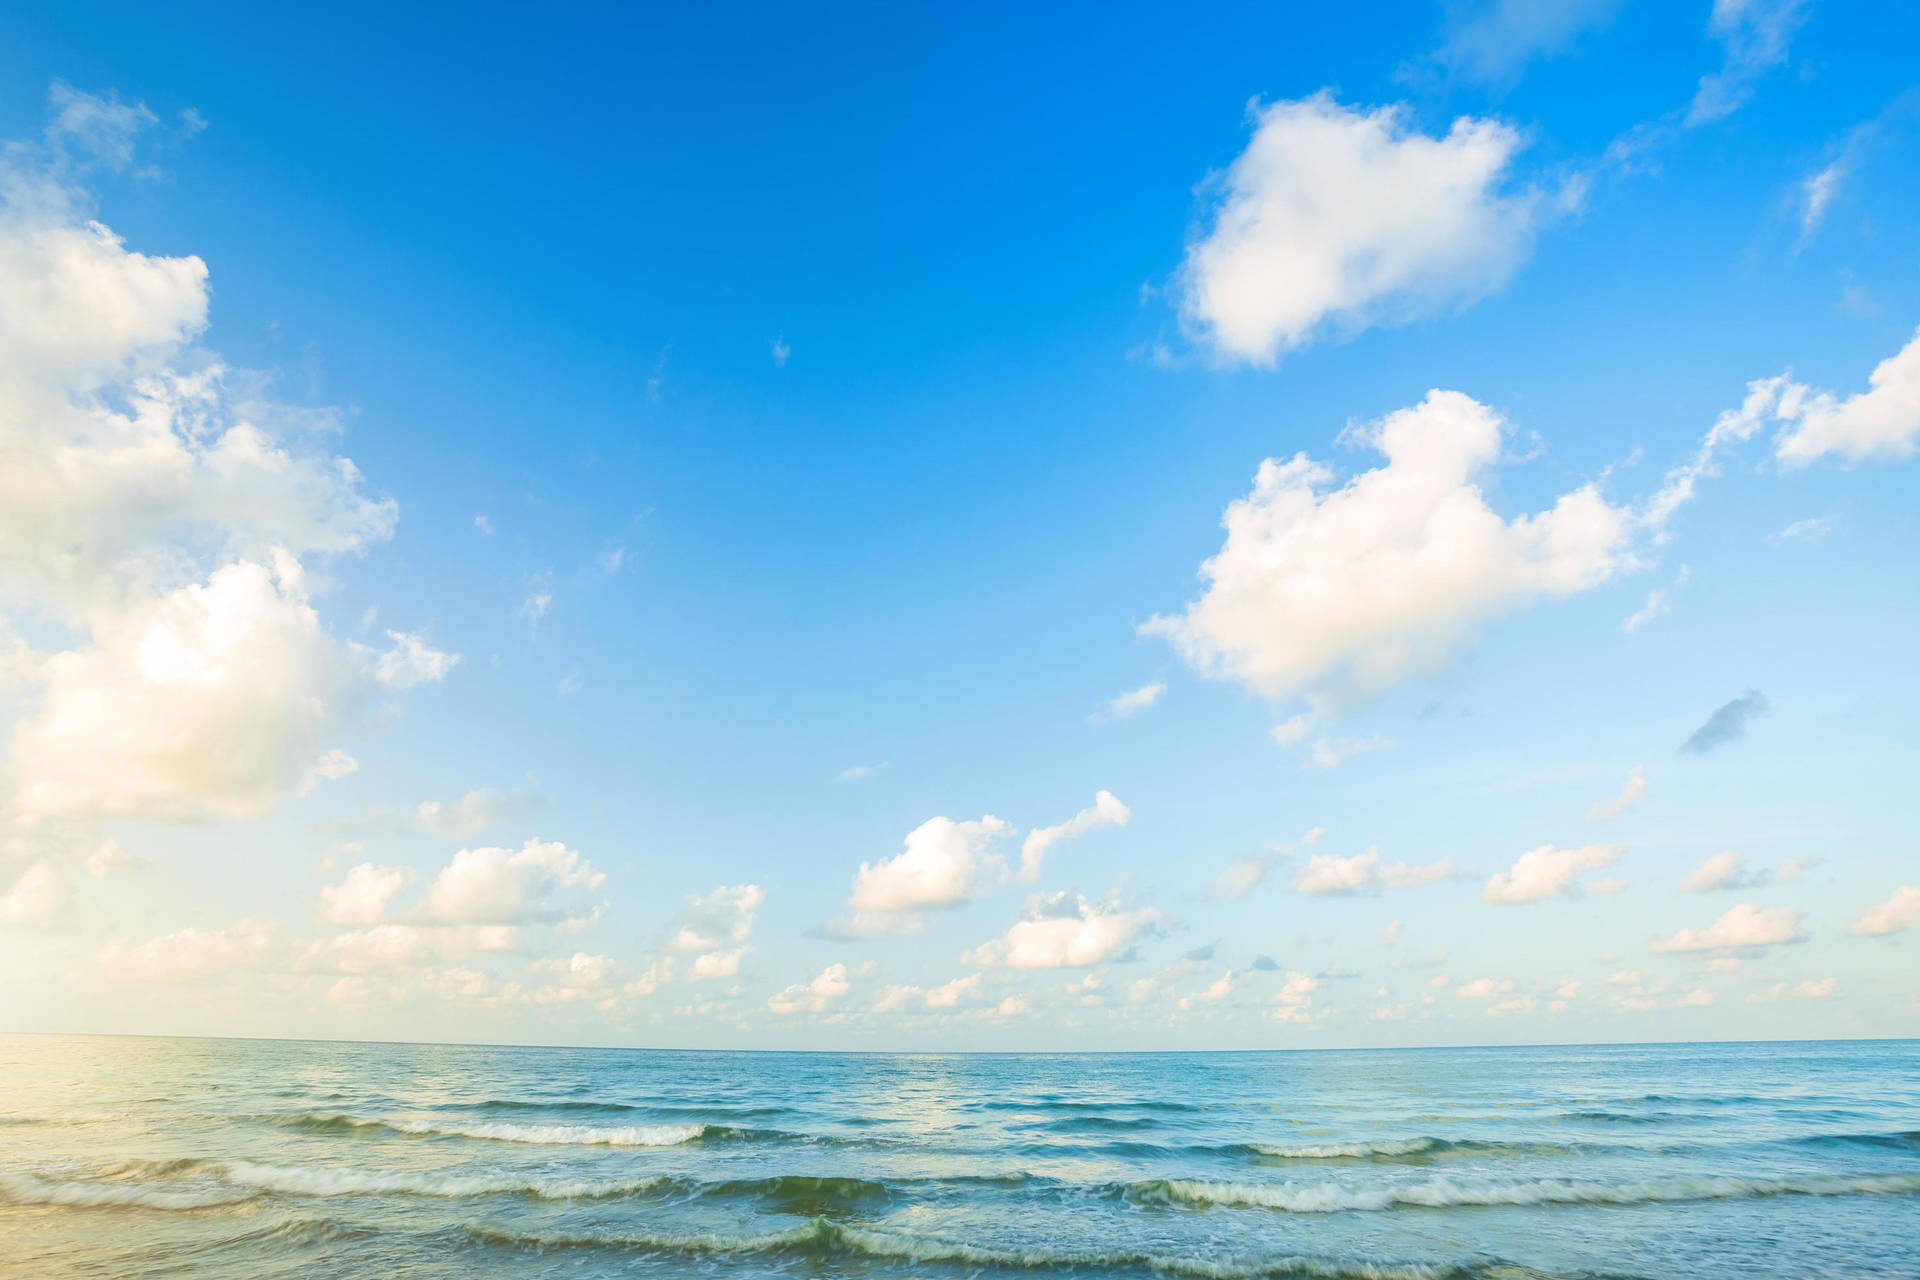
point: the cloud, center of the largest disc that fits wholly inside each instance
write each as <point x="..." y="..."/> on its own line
<point x="1657" y="604"/>
<point x="1743" y="927"/>
<point x="1123" y="705"/>
<point x="714" y="928"/>
<point x="1896" y="915"/>
<point x="1492" y="40"/>
<point x="947" y="995"/>
<point x="195" y="955"/>
<point x="472" y="813"/>
<point x="1065" y="931"/>
<point x="816" y="996"/>
<point x="1341" y="219"/>
<point x="364" y="896"/>
<point x="944" y="863"/>
<point x="1630" y="795"/>
<point x="1335" y="594"/>
<point x="214" y="700"/>
<point x="412" y="661"/>
<point x="1755" y="35"/>
<point x="1331" y="753"/>
<point x="1880" y="424"/>
<point x="38" y="897"/>
<point x="542" y="882"/>
<point x="861" y="772"/>
<point x="157" y="510"/>
<point x="1242" y="876"/>
<point x="1727" y="724"/>
<point x="1545" y="872"/>
<point x="1812" y="529"/>
<point x="1366" y="873"/>
<point x="1820" y="188"/>
<point x="1105" y="811"/>
<point x="1722" y="871"/>
<point x="780" y="351"/>
<point x="1293" y="1002"/>
<point x="402" y="948"/>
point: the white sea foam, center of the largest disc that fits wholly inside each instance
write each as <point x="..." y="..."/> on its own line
<point x="569" y="1135"/>
<point x="1353" y="1150"/>
<point x="1440" y="1193"/>
<point x="325" y="1181"/>
<point x="23" y="1188"/>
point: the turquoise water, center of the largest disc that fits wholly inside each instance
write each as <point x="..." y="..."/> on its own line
<point x="215" y="1158"/>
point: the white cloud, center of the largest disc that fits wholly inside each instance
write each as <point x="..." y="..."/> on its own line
<point x="1331" y="753"/>
<point x="1739" y="928"/>
<point x="195" y="955"/>
<point x="1335" y="594"/>
<point x="1755" y="35"/>
<point x="944" y="863"/>
<point x="1897" y="914"/>
<point x="1390" y="933"/>
<point x="1546" y="871"/>
<point x="1655" y="606"/>
<point x="157" y="508"/>
<point x="39" y="896"/>
<point x="412" y="661"/>
<point x="211" y="701"/>
<point x="1133" y="701"/>
<point x="108" y="859"/>
<point x="861" y="772"/>
<point x="541" y="882"/>
<point x="1294" y="1001"/>
<point x="1105" y="811"/>
<point x="401" y="948"/>
<point x="1630" y="795"/>
<point x="1723" y="870"/>
<point x="1366" y="873"/>
<point x="1817" y="191"/>
<point x="1812" y="529"/>
<point x="780" y="351"/>
<point x="472" y="813"/>
<point x="816" y="996"/>
<point x="484" y="525"/>
<point x="1334" y="218"/>
<point x="714" y="929"/>
<point x="1065" y="931"/>
<point x="1240" y="877"/>
<point x="1491" y="40"/>
<point x="364" y="896"/>
<point x="1880" y="424"/>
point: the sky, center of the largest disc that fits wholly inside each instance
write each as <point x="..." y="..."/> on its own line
<point x="997" y="529"/>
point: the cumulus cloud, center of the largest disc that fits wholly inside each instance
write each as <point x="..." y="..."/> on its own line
<point x="1630" y="795"/>
<point x="714" y="929"/>
<point x="1880" y="424"/>
<point x="943" y="864"/>
<point x="1293" y="1002"/>
<point x="364" y="895"/>
<point x="1896" y="915"/>
<point x="1755" y="36"/>
<point x="816" y="996"/>
<point x="1724" y="870"/>
<point x="1727" y="724"/>
<point x="195" y="955"/>
<point x="947" y="995"/>
<point x="39" y="896"/>
<point x="1547" y="871"/>
<point x="1744" y="927"/>
<point x="1105" y="811"/>
<point x="1240" y="877"/>
<point x="1337" y="218"/>
<point x="1065" y="931"/>
<point x="158" y="508"/>
<point x="1366" y="873"/>
<point x="1333" y="594"/>
<point x="542" y="882"/>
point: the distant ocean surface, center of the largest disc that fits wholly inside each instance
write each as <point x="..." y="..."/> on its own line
<point x="124" y="1157"/>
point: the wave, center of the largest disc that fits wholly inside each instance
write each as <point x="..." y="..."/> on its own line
<point x="1908" y="1140"/>
<point x="1445" y="1193"/>
<point x="24" y="1188"/>
<point x="821" y="1240"/>
<point x="324" y="1181"/>
<point x="514" y="1106"/>
<point x="572" y="1135"/>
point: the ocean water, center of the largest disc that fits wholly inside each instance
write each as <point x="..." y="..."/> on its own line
<point x="131" y="1157"/>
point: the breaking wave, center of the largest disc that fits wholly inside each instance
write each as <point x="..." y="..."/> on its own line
<point x="1444" y="1193"/>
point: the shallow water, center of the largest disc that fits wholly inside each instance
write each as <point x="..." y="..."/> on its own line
<point x="221" y="1158"/>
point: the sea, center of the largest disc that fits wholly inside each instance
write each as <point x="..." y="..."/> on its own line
<point x="232" y="1159"/>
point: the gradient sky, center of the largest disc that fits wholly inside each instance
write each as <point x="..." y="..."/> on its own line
<point x="1005" y="529"/>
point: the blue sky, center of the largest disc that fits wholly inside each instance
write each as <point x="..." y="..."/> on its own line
<point x="853" y="391"/>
